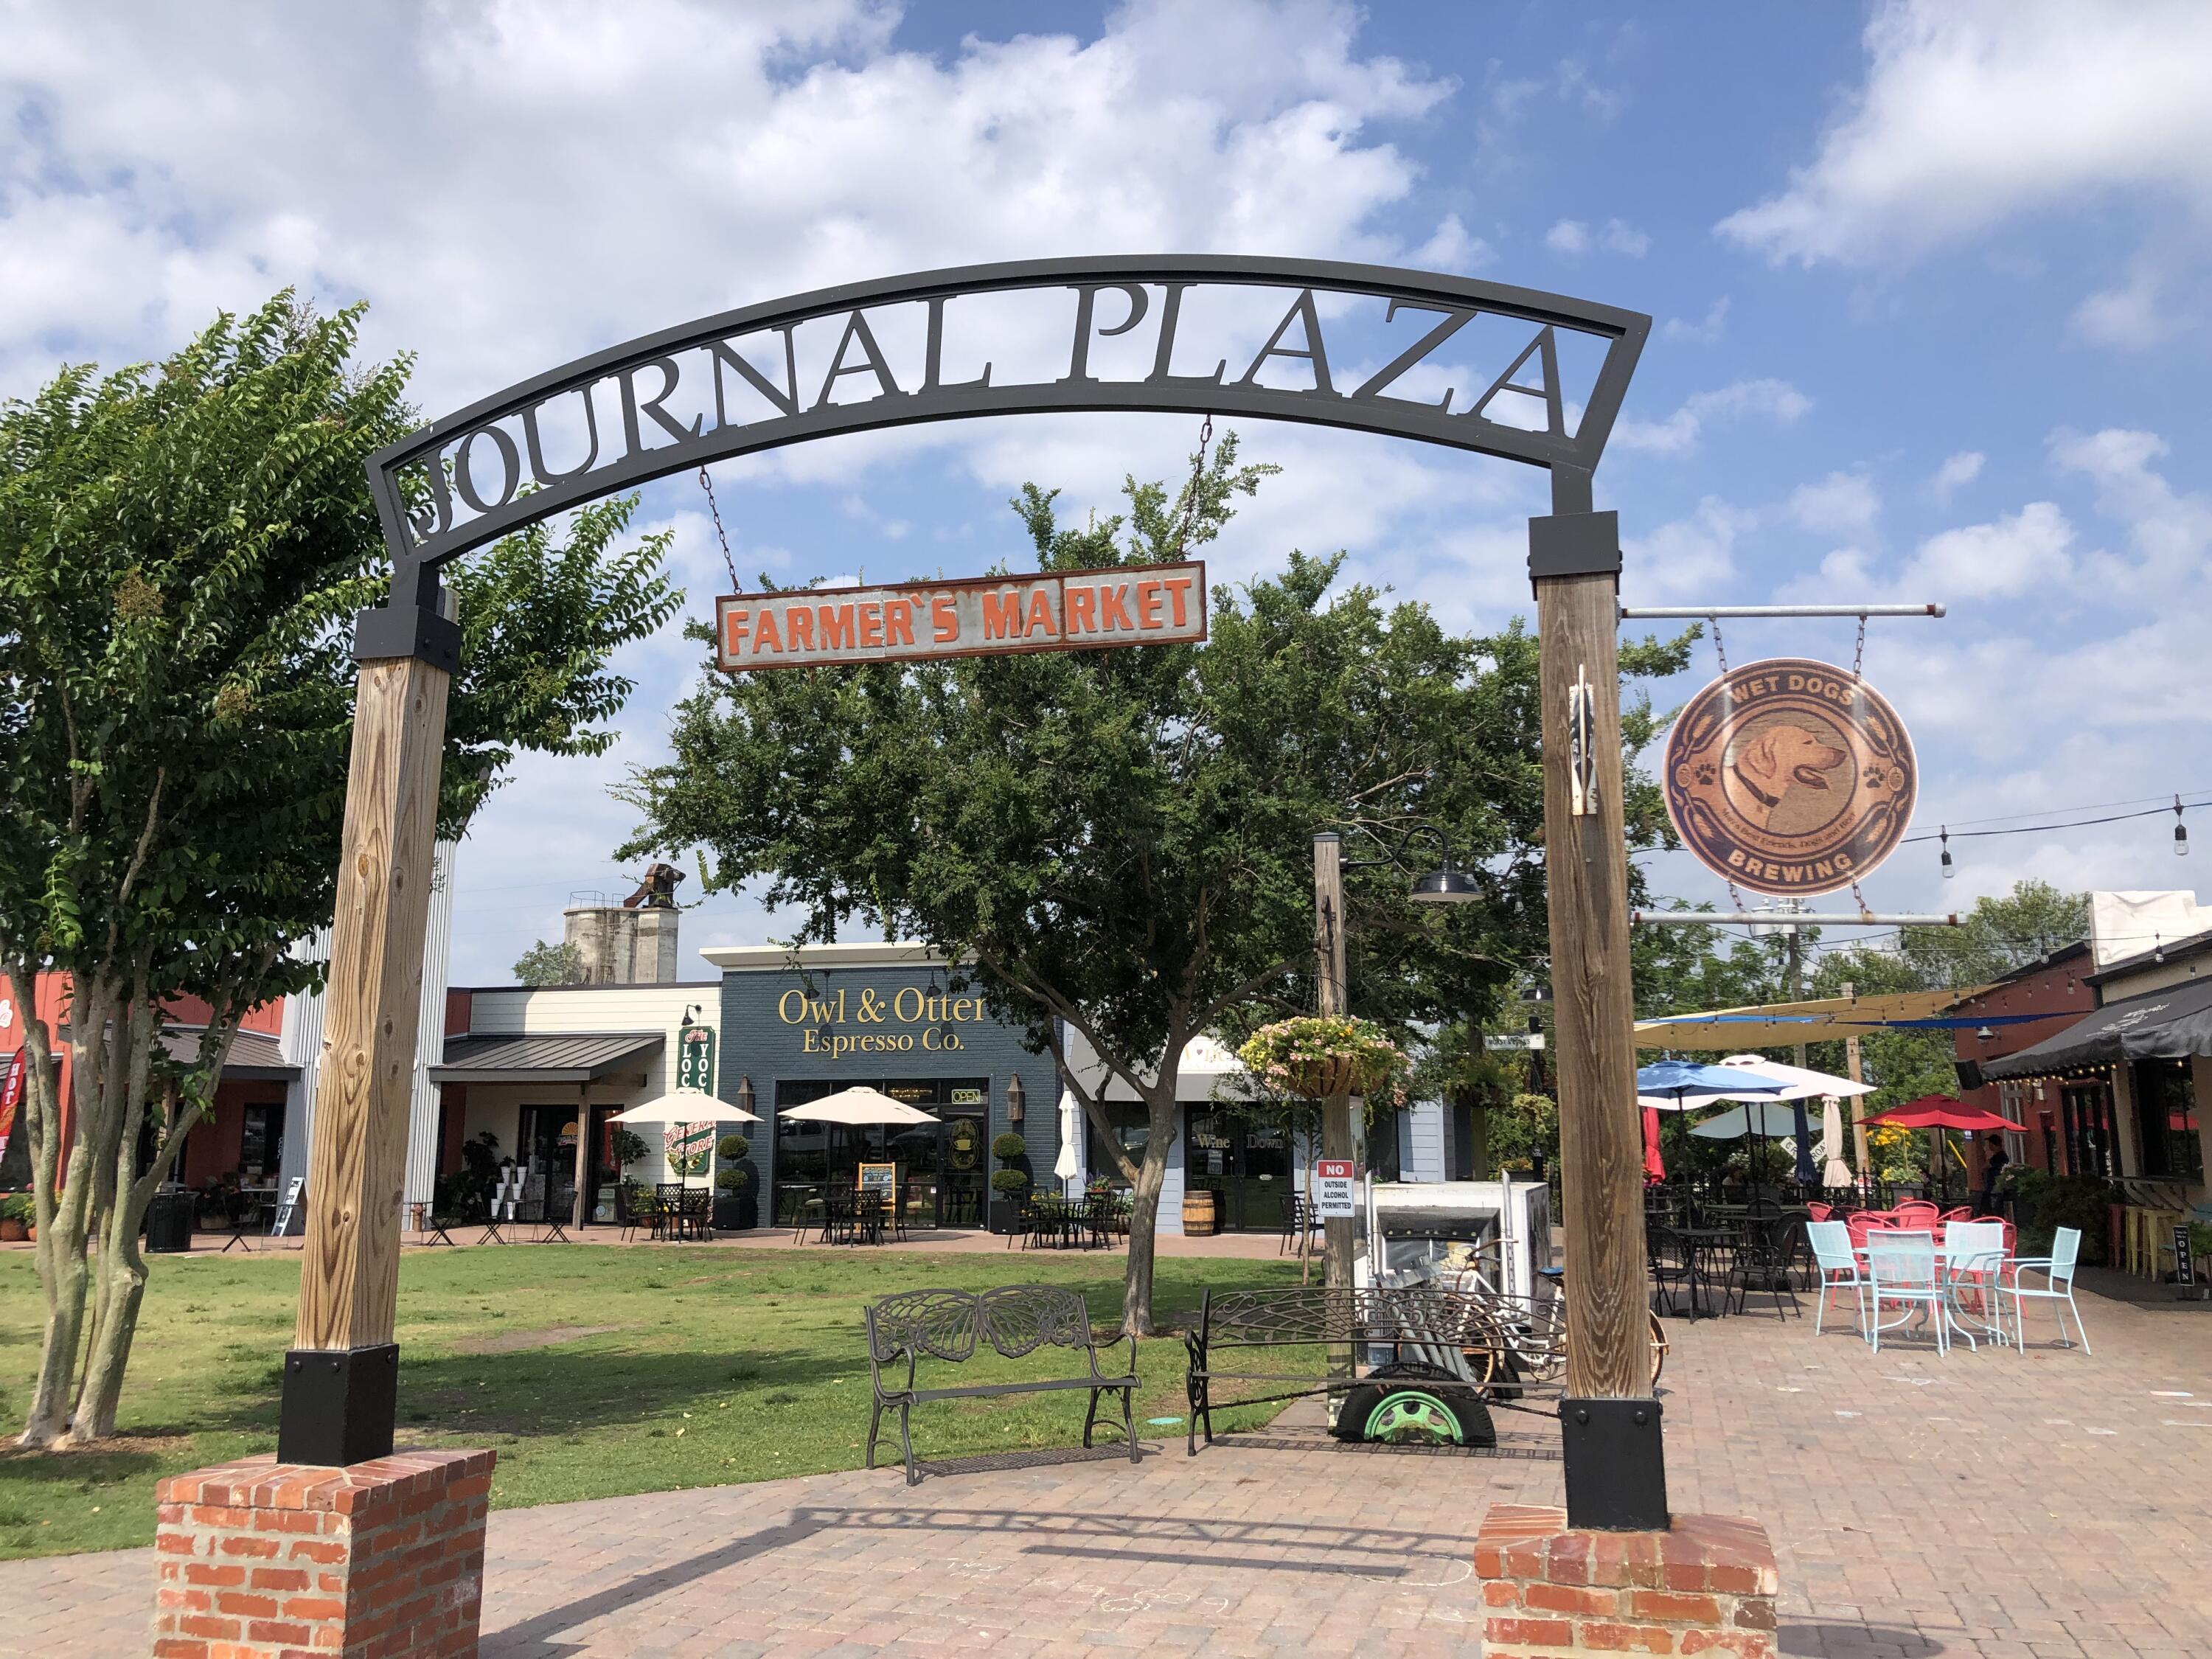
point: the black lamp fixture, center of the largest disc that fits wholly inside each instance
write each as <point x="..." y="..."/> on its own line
<point x="1016" y="1098"/>
<point x="745" y="1095"/>
<point x="1446" y="884"/>
<point x="1944" y="836"/>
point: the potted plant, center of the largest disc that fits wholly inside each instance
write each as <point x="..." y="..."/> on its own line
<point x="16" y="1210"/>
<point x="1011" y="1183"/>
<point x="1319" y="1055"/>
<point x="735" y="1206"/>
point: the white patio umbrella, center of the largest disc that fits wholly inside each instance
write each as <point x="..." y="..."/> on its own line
<point x="858" y="1105"/>
<point x="1070" y="1165"/>
<point x="1803" y="1084"/>
<point x="685" y="1106"/>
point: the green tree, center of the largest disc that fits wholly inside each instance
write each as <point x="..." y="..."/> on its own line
<point x="543" y="965"/>
<point x="182" y="551"/>
<point x="1121" y="840"/>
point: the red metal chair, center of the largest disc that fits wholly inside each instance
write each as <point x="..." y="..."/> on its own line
<point x="1961" y="1212"/>
<point x="1917" y="1214"/>
<point x="1818" y="1211"/>
<point x="1863" y="1221"/>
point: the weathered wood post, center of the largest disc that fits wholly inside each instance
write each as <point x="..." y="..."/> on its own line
<point x="340" y="1374"/>
<point x="1615" y="1465"/>
<point x="1336" y="1136"/>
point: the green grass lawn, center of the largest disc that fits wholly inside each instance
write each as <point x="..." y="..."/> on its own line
<point x="592" y="1370"/>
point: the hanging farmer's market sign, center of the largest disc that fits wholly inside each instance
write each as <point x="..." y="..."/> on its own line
<point x="988" y="616"/>
<point x="1791" y="776"/>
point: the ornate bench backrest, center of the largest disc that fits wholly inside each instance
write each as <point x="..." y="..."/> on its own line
<point x="940" y="1324"/>
<point x="1019" y="1319"/>
<point x="1311" y="1314"/>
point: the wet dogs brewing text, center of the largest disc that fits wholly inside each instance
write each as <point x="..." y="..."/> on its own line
<point x="1789" y="776"/>
<point x="915" y="622"/>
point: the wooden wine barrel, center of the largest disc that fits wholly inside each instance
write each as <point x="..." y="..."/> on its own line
<point x="1198" y="1214"/>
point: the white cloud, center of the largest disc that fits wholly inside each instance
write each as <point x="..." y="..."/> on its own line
<point x="2170" y="533"/>
<point x="1452" y="249"/>
<point x="1686" y="560"/>
<point x="2020" y="553"/>
<point x="1703" y="332"/>
<point x="1841" y="504"/>
<point x="1974" y="111"/>
<point x="1573" y="238"/>
<point x="2132" y="317"/>
<point x="1956" y="474"/>
<point x="1678" y="433"/>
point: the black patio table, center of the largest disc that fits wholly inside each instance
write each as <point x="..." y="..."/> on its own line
<point x="1716" y="1246"/>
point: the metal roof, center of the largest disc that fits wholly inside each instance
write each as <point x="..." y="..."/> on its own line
<point x="549" y="1057"/>
<point x="255" y="1056"/>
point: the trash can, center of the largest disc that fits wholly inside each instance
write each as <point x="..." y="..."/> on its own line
<point x="170" y="1222"/>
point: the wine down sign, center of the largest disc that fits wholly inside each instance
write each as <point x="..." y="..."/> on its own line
<point x="1203" y="334"/>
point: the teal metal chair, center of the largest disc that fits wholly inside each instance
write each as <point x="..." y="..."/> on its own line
<point x="2057" y="1270"/>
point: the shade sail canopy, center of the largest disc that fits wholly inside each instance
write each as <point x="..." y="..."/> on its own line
<point x="686" y="1106"/>
<point x="1942" y="1112"/>
<point x="2169" y="1024"/>
<point x="548" y="1057"/>
<point x="860" y="1105"/>
<point x="1798" y="1082"/>
<point x="1681" y="1085"/>
<point x="1776" y="1023"/>
<point x="1775" y="1119"/>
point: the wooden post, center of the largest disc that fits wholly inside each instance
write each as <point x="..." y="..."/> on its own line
<point x="1336" y="1136"/>
<point x="340" y="1378"/>
<point x="1852" y="1070"/>
<point x="1615" y="1472"/>
<point x="583" y="1151"/>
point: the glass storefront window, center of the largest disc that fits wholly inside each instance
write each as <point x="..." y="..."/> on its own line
<point x="2166" y="1114"/>
<point x="261" y="1140"/>
<point x="1132" y="1129"/>
<point x="943" y="1167"/>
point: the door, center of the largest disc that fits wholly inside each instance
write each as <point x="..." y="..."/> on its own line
<point x="1246" y="1166"/>
<point x="546" y="1149"/>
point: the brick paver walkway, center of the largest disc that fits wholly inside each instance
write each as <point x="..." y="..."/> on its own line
<point x="2054" y="1505"/>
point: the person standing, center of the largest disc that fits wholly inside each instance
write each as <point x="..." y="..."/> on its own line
<point x="1993" y="1166"/>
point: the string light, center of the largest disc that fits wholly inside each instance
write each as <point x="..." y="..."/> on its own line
<point x="2180" y="832"/>
<point x="1950" y="871"/>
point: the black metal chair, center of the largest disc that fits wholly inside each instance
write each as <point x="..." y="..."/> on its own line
<point x="1301" y="1220"/>
<point x="1673" y="1263"/>
<point x="1763" y="1262"/>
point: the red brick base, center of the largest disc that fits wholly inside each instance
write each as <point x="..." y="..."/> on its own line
<point x="260" y="1559"/>
<point x="1706" y="1585"/>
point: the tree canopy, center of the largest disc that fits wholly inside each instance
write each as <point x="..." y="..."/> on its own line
<point x="183" y="549"/>
<point x="1121" y="840"/>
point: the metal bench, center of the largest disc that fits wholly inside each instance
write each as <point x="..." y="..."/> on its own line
<point x="1012" y="1322"/>
<point x="1445" y="1350"/>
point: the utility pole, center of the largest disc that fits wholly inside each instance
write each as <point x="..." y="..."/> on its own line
<point x="1615" y="1460"/>
<point x="1853" y="1070"/>
<point x="1336" y="1137"/>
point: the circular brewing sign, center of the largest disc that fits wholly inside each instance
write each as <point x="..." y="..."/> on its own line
<point x="1789" y="776"/>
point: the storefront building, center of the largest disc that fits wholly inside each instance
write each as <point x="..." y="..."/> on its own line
<point x="2133" y="1077"/>
<point x="2066" y="1127"/>
<point x="800" y="1024"/>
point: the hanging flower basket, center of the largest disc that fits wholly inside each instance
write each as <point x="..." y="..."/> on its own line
<point x="1320" y="1056"/>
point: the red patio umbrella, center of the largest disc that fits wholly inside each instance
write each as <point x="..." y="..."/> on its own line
<point x="1942" y="1112"/>
<point x="1655" y="1164"/>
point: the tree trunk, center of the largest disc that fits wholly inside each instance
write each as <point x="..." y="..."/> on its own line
<point x="65" y="1274"/>
<point x="1144" y="1212"/>
<point x="123" y="1290"/>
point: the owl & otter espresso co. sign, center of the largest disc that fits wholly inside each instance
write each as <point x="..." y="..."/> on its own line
<point x="1789" y="776"/>
<point x="870" y="1022"/>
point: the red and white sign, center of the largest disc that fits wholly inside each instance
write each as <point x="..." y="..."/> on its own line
<point x="986" y="615"/>
<point x="11" y="1094"/>
<point x="1333" y="1194"/>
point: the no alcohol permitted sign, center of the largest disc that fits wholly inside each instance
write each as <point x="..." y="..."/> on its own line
<point x="1332" y="1188"/>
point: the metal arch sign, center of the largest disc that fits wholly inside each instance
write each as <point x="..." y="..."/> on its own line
<point x="1789" y="776"/>
<point x="731" y="383"/>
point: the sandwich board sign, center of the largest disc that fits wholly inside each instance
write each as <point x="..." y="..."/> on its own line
<point x="1333" y="1195"/>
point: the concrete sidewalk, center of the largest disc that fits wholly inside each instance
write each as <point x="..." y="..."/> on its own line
<point x="2051" y="1505"/>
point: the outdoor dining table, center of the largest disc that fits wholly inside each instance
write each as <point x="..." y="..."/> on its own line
<point x="1953" y="1262"/>
<point x="1708" y="1244"/>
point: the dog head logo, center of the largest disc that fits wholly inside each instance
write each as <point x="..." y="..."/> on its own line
<point x="1789" y="776"/>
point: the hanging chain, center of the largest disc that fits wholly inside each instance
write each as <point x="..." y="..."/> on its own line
<point x="1736" y="898"/>
<point x="1865" y="909"/>
<point x="1858" y="655"/>
<point x="1719" y="649"/>
<point x="1190" y="496"/>
<point x="721" y="535"/>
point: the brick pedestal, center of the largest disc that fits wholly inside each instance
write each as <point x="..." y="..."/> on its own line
<point x="1706" y="1585"/>
<point x="259" y="1559"/>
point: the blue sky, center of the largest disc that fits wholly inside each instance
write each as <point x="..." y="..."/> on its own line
<point x="1928" y="281"/>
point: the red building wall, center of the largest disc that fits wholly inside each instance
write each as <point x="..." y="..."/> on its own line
<point x="2057" y="988"/>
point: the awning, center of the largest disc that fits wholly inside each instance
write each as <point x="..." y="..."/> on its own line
<point x="1773" y="1023"/>
<point x="565" y="1057"/>
<point x="2168" y="1024"/>
<point x="255" y="1056"/>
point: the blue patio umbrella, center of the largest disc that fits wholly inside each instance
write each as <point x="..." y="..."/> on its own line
<point x="1681" y="1085"/>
